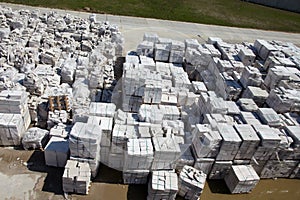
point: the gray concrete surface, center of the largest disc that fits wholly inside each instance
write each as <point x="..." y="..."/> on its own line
<point x="133" y="29"/>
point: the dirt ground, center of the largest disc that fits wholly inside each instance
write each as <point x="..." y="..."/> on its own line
<point x="24" y="175"/>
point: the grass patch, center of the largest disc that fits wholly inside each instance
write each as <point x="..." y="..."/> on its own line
<point x="219" y="12"/>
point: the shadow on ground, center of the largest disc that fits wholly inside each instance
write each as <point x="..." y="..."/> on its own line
<point x="53" y="180"/>
<point x="218" y="186"/>
<point x="137" y="192"/>
<point x="108" y="175"/>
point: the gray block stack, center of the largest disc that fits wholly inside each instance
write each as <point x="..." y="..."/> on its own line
<point x="191" y="183"/>
<point x="166" y="152"/>
<point x="34" y="138"/>
<point x="241" y="179"/>
<point x="250" y="141"/>
<point x="85" y="144"/>
<point x="135" y="176"/>
<point x="57" y="152"/>
<point x="162" y="185"/>
<point x="230" y="142"/>
<point x="76" y="177"/>
<point x="139" y="154"/>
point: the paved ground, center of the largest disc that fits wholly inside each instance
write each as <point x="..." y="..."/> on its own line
<point x="133" y="29"/>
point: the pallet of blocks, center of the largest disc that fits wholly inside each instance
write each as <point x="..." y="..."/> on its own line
<point x="191" y="183"/>
<point x="241" y="179"/>
<point x="166" y="153"/>
<point x="230" y="142"/>
<point x="34" y="138"/>
<point x="162" y="185"/>
<point x="85" y="144"/>
<point x="57" y="152"/>
<point x="139" y="154"/>
<point x="250" y="141"/>
<point x="76" y="177"/>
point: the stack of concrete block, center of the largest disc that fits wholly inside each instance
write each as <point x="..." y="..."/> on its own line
<point x="180" y="78"/>
<point x="250" y="141"/>
<point x="227" y="87"/>
<point x="198" y="87"/>
<point x="191" y="183"/>
<point x="251" y="76"/>
<point x="120" y="135"/>
<point x="150" y="37"/>
<point x="33" y="84"/>
<point x="135" y="176"/>
<point x="186" y="157"/>
<point x="68" y="70"/>
<point x="147" y="63"/>
<point x="60" y="130"/>
<point x="106" y="125"/>
<point x="12" y="129"/>
<point x="294" y="133"/>
<point x="212" y="104"/>
<point x="153" y="90"/>
<point x="169" y="112"/>
<point x="191" y="43"/>
<point x="34" y="138"/>
<point x="145" y="48"/>
<point x="247" y="105"/>
<point x="177" y="52"/>
<point x="102" y="109"/>
<point x="258" y="95"/>
<point x="269" y="116"/>
<point x="162" y="185"/>
<point x="278" y="169"/>
<point x="220" y="169"/>
<point x="230" y="142"/>
<point x="284" y="100"/>
<point x="164" y="70"/>
<point x="206" y="144"/>
<point x="151" y="113"/>
<point x="85" y="144"/>
<point x="139" y="154"/>
<point x="162" y="52"/>
<point x="133" y="82"/>
<point x="166" y="153"/>
<point x="250" y="118"/>
<point x="76" y="177"/>
<point x="263" y="48"/>
<point x="57" y="152"/>
<point x="270" y="140"/>
<point x="241" y="179"/>
<point x="56" y="117"/>
<point x="247" y="56"/>
<point x="275" y="75"/>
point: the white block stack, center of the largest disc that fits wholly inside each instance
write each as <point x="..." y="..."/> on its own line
<point x="250" y="141"/>
<point x="166" y="153"/>
<point x="139" y="154"/>
<point x="85" y="144"/>
<point x="57" y="152"/>
<point x="76" y="177"/>
<point x="191" y="183"/>
<point x="241" y="179"/>
<point x="162" y="185"/>
<point x="230" y="142"/>
<point x="34" y="138"/>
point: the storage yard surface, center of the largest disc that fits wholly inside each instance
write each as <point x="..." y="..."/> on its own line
<point x="220" y="12"/>
<point x="167" y="105"/>
<point x="42" y="182"/>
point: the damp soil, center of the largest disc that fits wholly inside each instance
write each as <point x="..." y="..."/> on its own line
<point x="108" y="183"/>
